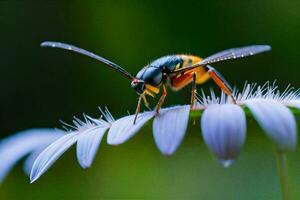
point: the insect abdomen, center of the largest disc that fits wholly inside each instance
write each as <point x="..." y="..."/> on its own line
<point x="183" y="79"/>
<point x="188" y="60"/>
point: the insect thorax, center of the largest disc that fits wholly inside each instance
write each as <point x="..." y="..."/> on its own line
<point x="156" y="71"/>
<point x="160" y="68"/>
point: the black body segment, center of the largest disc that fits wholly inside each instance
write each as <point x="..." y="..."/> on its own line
<point x="151" y="75"/>
<point x="167" y="63"/>
<point x="160" y="69"/>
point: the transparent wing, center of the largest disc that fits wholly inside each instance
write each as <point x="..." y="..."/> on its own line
<point x="228" y="54"/>
<point x="235" y="53"/>
<point x="89" y="54"/>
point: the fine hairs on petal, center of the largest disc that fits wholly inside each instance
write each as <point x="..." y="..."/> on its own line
<point x="289" y="97"/>
<point x="268" y="91"/>
<point x="169" y="128"/>
<point x="269" y="107"/>
<point x="224" y="131"/>
<point x="88" y="135"/>
<point x="89" y="140"/>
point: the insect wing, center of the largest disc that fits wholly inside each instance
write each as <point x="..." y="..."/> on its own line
<point x="228" y="54"/>
<point x="235" y="53"/>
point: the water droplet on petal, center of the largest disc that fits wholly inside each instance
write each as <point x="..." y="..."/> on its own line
<point x="226" y="163"/>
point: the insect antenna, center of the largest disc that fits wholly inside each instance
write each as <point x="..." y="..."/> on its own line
<point x="73" y="48"/>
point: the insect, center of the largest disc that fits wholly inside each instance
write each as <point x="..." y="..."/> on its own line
<point x="177" y="71"/>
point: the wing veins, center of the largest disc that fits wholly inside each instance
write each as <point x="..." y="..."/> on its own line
<point x="229" y="54"/>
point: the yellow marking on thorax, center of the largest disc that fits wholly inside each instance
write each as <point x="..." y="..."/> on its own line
<point x="151" y="90"/>
<point x="177" y="66"/>
<point x="201" y="74"/>
<point x="190" y="60"/>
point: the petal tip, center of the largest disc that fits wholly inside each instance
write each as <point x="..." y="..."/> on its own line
<point x="33" y="179"/>
<point x="167" y="153"/>
<point x="112" y="142"/>
<point x="84" y="165"/>
<point x="224" y="131"/>
<point x="227" y="163"/>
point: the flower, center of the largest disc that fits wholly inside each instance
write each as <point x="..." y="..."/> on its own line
<point x="88" y="135"/>
<point x="28" y="142"/>
<point x="223" y="126"/>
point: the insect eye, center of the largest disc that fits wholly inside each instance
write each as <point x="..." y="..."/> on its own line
<point x="138" y="86"/>
<point x="135" y="81"/>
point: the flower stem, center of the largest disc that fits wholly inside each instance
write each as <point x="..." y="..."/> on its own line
<point x="283" y="174"/>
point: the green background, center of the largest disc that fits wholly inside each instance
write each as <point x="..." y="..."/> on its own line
<point x="40" y="86"/>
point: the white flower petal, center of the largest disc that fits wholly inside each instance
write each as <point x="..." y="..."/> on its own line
<point x="277" y="121"/>
<point x="294" y="103"/>
<point x="18" y="145"/>
<point x="123" y="129"/>
<point x="169" y="128"/>
<point x="28" y="163"/>
<point x="51" y="154"/>
<point x="224" y="131"/>
<point x="88" y="144"/>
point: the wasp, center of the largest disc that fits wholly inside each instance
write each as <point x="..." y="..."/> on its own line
<point x="176" y="71"/>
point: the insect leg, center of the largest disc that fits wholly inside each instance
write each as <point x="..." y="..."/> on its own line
<point x="146" y="102"/>
<point x="220" y="81"/>
<point x="138" y="108"/>
<point x="162" y="98"/>
<point x="194" y="91"/>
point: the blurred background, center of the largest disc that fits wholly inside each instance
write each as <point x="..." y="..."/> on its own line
<point x="40" y="86"/>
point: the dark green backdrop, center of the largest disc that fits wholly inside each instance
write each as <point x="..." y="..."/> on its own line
<point x="40" y="86"/>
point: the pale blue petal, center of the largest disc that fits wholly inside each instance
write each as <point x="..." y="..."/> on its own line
<point x="224" y="131"/>
<point x="51" y="154"/>
<point x="277" y="121"/>
<point x="88" y="144"/>
<point x="18" y="145"/>
<point x="123" y="129"/>
<point x="169" y="128"/>
<point x="294" y="103"/>
<point x="28" y="163"/>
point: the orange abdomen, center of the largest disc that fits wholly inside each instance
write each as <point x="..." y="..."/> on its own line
<point x="183" y="79"/>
